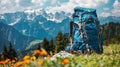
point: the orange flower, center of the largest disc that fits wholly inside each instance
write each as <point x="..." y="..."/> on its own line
<point x="43" y="52"/>
<point x="48" y="57"/>
<point x="19" y="64"/>
<point x="41" y="62"/>
<point x="2" y="62"/>
<point x="65" y="61"/>
<point x="6" y="61"/>
<point x="13" y="61"/>
<point x="26" y="62"/>
<point x="11" y="65"/>
<point x="33" y="58"/>
<point x="37" y="52"/>
<point x="26" y="58"/>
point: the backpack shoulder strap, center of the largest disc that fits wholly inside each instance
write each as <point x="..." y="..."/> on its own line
<point x="71" y="28"/>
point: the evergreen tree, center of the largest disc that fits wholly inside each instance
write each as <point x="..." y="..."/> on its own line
<point x="45" y="44"/>
<point x="39" y="46"/>
<point x="65" y="40"/>
<point x="51" y="45"/>
<point x="12" y="52"/>
<point x="59" y="42"/>
<point x="110" y="32"/>
<point x="5" y="53"/>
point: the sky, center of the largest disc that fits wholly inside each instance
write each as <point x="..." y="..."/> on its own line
<point x="104" y="8"/>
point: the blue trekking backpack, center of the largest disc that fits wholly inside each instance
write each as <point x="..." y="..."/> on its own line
<point x="85" y="31"/>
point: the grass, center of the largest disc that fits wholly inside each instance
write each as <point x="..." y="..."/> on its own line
<point x="110" y="58"/>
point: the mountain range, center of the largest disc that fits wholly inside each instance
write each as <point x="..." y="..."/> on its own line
<point x="108" y="19"/>
<point x="38" y="24"/>
<point x="10" y="35"/>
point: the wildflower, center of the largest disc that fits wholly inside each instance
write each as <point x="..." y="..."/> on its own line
<point x="41" y="62"/>
<point x="26" y="58"/>
<point x="37" y="52"/>
<point x="43" y="52"/>
<point x="6" y="61"/>
<point x="65" y="61"/>
<point x="19" y="64"/>
<point x="11" y="65"/>
<point x="48" y="57"/>
<point x="26" y="62"/>
<point x="33" y="58"/>
<point x="2" y="62"/>
<point x="13" y="61"/>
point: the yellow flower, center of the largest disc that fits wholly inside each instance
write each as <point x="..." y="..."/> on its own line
<point x="37" y="52"/>
<point x="33" y="58"/>
<point x="41" y="62"/>
<point x="26" y="62"/>
<point x="65" y="61"/>
<point x="19" y="64"/>
<point x="26" y="58"/>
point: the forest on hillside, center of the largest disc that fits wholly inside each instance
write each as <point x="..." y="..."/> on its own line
<point x="111" y="32"/>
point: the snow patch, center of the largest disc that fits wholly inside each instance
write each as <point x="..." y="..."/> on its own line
<point x="47" y="28"/>
<point x="29" y="11"/>
<point x="30" y="18"/>
<point x="11" y="24"/>
<point x="33" y="43"/>
<point x="40" y="22"/>
<point x="39" y="11"/>
<point x="23" y="31"/>
<point x="2" y="17"/>
<point x="9" y="35"/>
<point x="53" y="19"/>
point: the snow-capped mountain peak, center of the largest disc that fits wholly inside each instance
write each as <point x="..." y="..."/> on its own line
<point x="57" y="17"/>
<point x="29" y="11"/>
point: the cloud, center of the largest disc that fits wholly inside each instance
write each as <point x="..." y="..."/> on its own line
<point x="17" y="1"/>
<point x="105" y="14"/>
<point x="105" y="1"/>
<point x="25" y="3"/>
<point x="53" y="6"/>
<point x="113" y="12"/>
<point x="69" y="6"/>
<point x="5" y="2"/>
<point x="106" y="9"/>
<point x="116" y="8"/>
<point x="38" y="2"/>
<point x="6" y="5"/>
<point x="54" y="2"/>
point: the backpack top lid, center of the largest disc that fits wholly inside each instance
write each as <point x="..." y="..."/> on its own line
<point x="81" y="9"/>
<point x="84" y="14"/>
